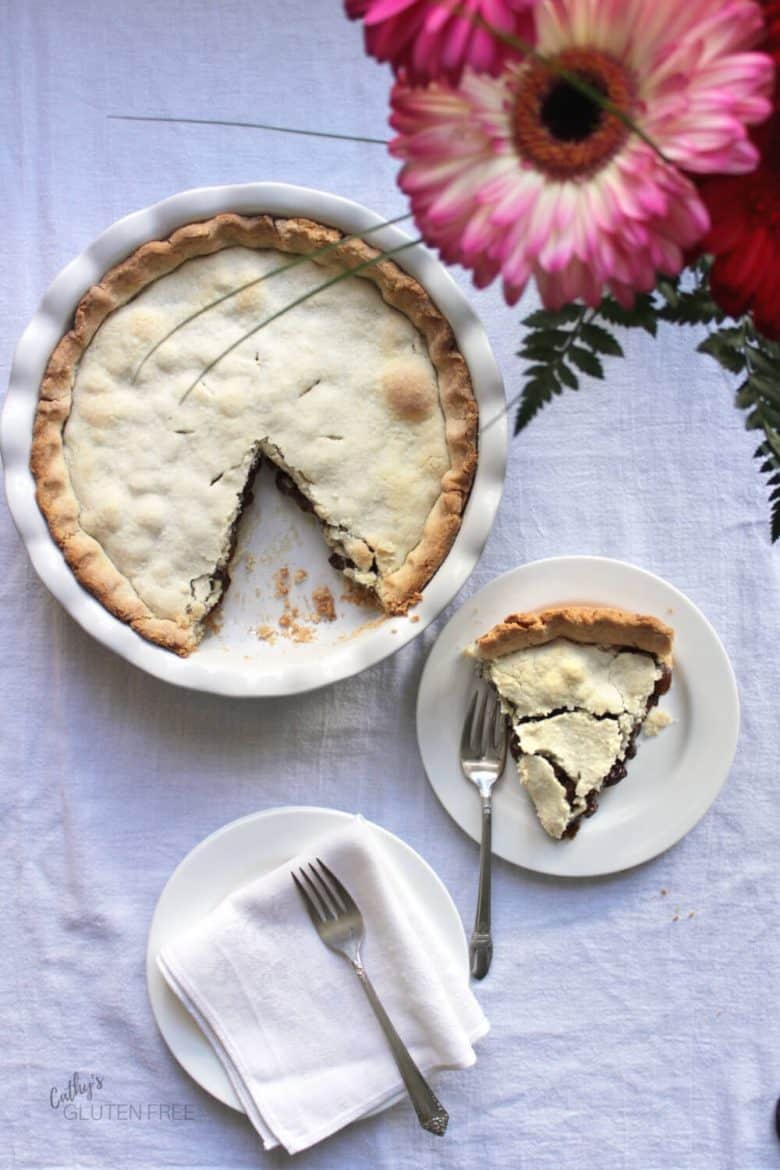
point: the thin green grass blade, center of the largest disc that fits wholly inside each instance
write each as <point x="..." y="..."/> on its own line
<point x="248" y="126"/>
<point x="302" y="259"/>
<point x="298" y="301"/>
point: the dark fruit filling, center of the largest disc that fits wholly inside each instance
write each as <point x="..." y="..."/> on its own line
<point x="288" y="487"/>
<point x="221" y="574"/>
<point x="339" y="562"/>
<point x="616" y="773"/>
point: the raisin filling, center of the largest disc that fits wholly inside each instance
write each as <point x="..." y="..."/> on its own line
<point x="288" y="487"/>
<point x="616" y="773"/>
<point x="341" y="563"/>
<point x="221" y="574"/>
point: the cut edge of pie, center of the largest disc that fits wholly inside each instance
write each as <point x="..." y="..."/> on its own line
<point x="54" y="491"/>
<point x="569" y="736"/>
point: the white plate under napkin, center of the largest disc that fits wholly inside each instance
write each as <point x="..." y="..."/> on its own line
<point x="288" y="1018"/>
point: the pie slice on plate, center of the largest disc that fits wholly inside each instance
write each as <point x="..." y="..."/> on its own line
<point x="186" y="367"/>
<point x="577" y="684"/>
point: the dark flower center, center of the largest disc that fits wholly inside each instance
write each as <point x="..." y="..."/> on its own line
<point x="562" y="131"/>
<point x="568" y="114"/>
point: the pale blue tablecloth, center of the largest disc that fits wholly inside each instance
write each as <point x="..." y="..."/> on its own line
<point x="621" y="1040"/>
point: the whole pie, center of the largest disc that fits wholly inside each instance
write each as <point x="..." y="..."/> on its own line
<point x="186" y="366"/>
<point x="577" y="684"/>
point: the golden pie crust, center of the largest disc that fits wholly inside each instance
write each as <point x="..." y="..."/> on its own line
<point x="597" y="625"/>
<point x="54" y="490"/>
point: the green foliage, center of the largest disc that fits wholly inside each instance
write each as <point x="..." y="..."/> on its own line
<point x="743" y="351"/>
<point x="563" y="344"/>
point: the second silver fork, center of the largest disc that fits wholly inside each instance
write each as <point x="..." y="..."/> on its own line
<point x="339" y="923"/>
<point x="482" y="758"/>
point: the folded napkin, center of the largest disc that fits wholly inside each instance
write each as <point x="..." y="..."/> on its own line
<point x="288" y="1018"/>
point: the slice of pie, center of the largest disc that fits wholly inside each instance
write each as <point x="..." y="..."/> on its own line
<point x="185" y="368"/>
<point x="576" y="684"/>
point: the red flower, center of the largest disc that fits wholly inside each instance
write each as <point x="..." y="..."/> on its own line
<point x="744" y="210"/>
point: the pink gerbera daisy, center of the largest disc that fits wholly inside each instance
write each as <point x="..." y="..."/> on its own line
<point x="437" y="38"/>
<point x="524" y="176"/>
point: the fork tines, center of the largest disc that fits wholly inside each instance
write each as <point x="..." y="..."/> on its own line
<point x="484" y="727"/>
<point x="324" y="895"/>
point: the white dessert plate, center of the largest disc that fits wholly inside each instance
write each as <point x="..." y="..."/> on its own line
<point x="248" y="652"/>
<point x="236" y="854"/>
<point x="674" y="778"/>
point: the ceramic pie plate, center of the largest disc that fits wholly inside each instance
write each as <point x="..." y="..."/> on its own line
<point x="674" y="777"/>
<point x="246" y="652"/>
<point x="232" y="856"/>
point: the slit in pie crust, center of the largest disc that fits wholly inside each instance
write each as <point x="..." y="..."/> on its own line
<point x="146" y="439"/>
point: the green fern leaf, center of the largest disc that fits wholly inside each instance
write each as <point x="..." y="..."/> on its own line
<point x="600" y="340"/>
<point x="552" y="318"/>
<point x="642" y="316"/>
<point x="536" y="394"/>
<point x="568" y="376"/>
<point x="720" y="345"/>
<point x="586" y="361"/>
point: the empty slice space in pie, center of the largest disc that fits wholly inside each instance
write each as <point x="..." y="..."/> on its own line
<point x="187" y="367"/>
<point x="577" y="684"/>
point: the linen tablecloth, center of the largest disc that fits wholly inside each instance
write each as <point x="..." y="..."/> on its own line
<point x="632" y="1029"/>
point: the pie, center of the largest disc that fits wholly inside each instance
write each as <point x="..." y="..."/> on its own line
<point x="577" y="683"/>
<point x="184" y="369"/>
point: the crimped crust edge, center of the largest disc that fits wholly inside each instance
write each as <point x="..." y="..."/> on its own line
<point x="54" y="492"/>
<point x="607" y="625"/>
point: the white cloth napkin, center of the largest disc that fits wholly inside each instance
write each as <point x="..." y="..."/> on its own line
<point x="288" y="1018"/>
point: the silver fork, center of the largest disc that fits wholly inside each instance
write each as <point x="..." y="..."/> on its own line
<point x="482" y="758"/>
<point x="339" y="924"/>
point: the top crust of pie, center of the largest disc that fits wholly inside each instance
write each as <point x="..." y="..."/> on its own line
<point x="598" y="625"/>
<point x="55" y="490"/>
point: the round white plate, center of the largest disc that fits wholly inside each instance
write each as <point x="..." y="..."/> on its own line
<point x="233" y="660"/>
<point x="674" y="778"/>
<point x="235" y="854"/>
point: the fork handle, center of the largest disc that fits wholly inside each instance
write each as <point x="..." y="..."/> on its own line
<point x="481" y="945"/>
<point x="430" y="1112"/>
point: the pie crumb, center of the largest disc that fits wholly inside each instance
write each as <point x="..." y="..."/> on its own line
<point x="301" y="633"/>
<point x="266" y="634"/>
<point x="369" y="625"/>
<point x="358" y="595"/>
<point x="324" y="605"/>
<point x="282" y="582"/>
<point x="215" y="621"/>
<point x="250" y="562"/>
<point x="415" y="617"/>
<point x="656" y="721"/>
<point x="300" y="576"/>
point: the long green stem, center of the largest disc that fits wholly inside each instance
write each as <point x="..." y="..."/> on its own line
<point x="299" y="301"/>
<point x="303" y="259"/>
<point x="247" y="126"/>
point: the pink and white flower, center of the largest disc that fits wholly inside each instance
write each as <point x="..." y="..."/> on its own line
<point x="437" y="38"/>
<point x="523" y="175"/>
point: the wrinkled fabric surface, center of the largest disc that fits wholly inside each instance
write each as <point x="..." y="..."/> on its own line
<point x="631" y="1030"/>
